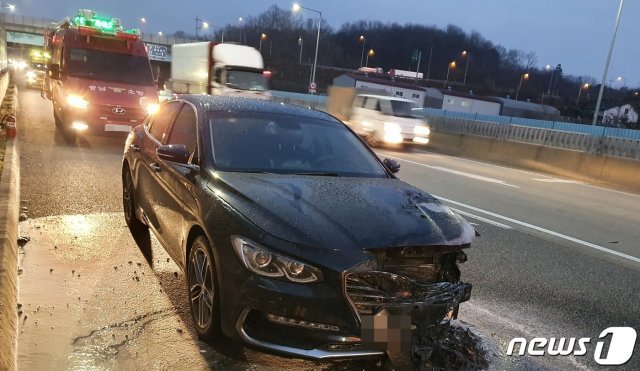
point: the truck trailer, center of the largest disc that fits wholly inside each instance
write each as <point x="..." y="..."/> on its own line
<point x="218" y="69"/>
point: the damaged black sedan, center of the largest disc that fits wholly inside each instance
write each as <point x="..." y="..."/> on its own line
<point x="294" y="237"/>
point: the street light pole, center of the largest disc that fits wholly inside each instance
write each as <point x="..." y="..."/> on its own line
<point x="363" y="40"/>
<point x="523" y="77"/>
<point x="606" y="68"/>
<point x="297" y="7"/>
<point x="300" y="42"/>
<point x="466" y="69"/>
<point x="371" y="53"/>
<point x="451" y="66"/>
<point x="262" y="37"/>
<point x="585" y="87"/>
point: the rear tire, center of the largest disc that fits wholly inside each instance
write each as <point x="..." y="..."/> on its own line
<point x="202" y="288"/>
<point x="137" y="228"/>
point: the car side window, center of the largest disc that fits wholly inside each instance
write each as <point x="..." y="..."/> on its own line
<point x="185" y="132"/>
<point x="159" y="125"/>
<point x="359" y="101"/>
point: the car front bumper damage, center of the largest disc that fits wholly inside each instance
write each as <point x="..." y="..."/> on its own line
<point x="398" y="307"/>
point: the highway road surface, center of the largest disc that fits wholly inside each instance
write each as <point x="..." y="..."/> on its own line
<point x="555" y="258"/>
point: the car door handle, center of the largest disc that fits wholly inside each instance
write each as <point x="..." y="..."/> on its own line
<point x="134" y="147"/>
<point x="155" y="167"/>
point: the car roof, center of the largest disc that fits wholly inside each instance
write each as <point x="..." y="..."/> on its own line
<point x="241" y="104"/>
<point x="386" y="97"/>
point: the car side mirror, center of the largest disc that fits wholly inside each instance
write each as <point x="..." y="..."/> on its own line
<point x="54" y="71"/>
<point x="392" y="165"/>
<point x="176" y="153"/>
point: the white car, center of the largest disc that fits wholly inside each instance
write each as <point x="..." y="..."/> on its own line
<point x="387" y="120"/>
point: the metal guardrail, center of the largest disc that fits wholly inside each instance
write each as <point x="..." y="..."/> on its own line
<point x="555" y="125"/>
<point x="599" y="144"/>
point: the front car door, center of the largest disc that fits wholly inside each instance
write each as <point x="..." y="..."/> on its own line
<point x="147" y="169"/>
<point x="179" y="183"/>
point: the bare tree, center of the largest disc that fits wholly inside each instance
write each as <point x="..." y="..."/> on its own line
<point x="531" y="59"/>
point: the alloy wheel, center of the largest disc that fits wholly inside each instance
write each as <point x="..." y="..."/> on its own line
<point x="201" y="287"/>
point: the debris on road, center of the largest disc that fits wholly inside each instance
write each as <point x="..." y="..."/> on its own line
<point x="23" y="240"/>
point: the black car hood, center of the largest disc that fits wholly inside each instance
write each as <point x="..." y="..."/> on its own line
<point x="342" y="212"/>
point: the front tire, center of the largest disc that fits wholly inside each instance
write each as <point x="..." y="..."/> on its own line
<point x="204" y="297"/>
<point x="372" y="140"/>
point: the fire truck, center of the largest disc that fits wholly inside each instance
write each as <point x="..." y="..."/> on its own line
<point x="99" y="76"/>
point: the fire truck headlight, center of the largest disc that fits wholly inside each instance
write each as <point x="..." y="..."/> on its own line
<point x="31" y="76"/>
<point x="152" y="108"/>
<point x="77" y="101"/>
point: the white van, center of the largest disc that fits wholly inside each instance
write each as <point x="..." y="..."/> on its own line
<point x="382" y="119"/>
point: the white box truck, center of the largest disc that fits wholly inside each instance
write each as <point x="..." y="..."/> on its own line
<point x="218" y="69"/>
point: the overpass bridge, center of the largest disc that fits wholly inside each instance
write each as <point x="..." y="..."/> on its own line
<point x="29" y="31"/>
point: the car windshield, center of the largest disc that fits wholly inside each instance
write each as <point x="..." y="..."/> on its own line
<point x="403" y="109"/>
<point x="288" y="144"/>
<point x="108" y="66"/>
<point x="246" y="80"/>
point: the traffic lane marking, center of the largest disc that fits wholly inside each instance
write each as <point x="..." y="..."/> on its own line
<point x="539" y="174"/>
<point x="544" y="230"/>
<point x="457" y="172"/>
<point x="480" y="218"/>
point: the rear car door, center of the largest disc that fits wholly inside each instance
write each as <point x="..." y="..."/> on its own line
<point x="148" y="189"/>
<point x="178" y="182"/>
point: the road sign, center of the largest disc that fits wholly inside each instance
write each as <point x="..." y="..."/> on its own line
<point x="158" y="52"/>
<point x="312" y="87"/>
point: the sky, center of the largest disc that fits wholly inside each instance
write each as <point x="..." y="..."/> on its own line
<point x="574" y="33"/>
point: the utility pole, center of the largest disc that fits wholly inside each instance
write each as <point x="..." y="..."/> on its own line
<point x="606" y="68"/>
<point x="198" y="20"/>
<point x="429" y="67"/>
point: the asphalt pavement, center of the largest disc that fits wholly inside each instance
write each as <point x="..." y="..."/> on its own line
<point x="555" y="259"/>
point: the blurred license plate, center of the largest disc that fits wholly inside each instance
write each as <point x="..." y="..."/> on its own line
<point x="112" y="127"/>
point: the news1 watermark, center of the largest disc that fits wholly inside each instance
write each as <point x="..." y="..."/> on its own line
<point x="614" y="346"/>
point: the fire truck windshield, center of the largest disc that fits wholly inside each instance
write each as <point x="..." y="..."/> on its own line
<point x="109" y="66"/>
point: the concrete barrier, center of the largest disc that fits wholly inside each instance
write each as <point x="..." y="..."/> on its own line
<point x="613" y="172"/>
<point x="9" y="213"/>
<point x="621" y="172"/>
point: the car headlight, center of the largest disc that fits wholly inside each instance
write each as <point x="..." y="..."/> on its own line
<point x="392" y="128"/>
<point x="77" y="101"/>
<point x="152" y="108"/>
<point x="263" y="262"/>
<point x="422" y="130"/>
<point x="31" y="75"/>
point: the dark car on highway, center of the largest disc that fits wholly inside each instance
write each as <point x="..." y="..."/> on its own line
<point x="291" y="232"/>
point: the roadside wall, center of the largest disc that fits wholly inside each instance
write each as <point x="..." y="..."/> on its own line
<point x="608" y="171"/>
<point x="9" y="213"/>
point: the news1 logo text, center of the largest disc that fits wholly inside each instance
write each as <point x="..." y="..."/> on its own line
<point x="620" y="341"/>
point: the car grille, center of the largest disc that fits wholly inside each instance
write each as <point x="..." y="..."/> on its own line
<point x="372" y="291"/>
<point x="131" y="113"/>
